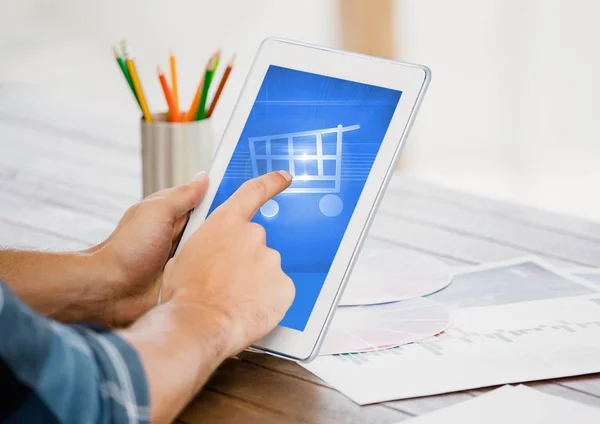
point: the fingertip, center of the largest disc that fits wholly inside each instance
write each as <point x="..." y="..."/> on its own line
<point x="254" y="193"/>
<point x="288" y="177"/>
<point x="200" y="183"/>
<point x="201" y="176"/>
<point x="188" y="196"/>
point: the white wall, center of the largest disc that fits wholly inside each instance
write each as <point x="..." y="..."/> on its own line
<point x="512" y="111"/>
<point x="63" y="45"/>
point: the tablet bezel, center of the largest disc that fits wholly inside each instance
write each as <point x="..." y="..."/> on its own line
<point x="412" y="80"/>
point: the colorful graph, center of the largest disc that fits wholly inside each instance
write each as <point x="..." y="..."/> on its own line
<point x="436" y="345"/>
<point x="374" y="327"/>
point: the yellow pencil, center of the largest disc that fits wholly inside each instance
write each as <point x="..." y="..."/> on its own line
<point x="138" y="89"/>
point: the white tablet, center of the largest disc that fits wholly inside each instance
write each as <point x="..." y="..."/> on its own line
<point x="337" y="122"/>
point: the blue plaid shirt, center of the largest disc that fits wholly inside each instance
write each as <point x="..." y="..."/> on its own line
<point x="55" y="373"/>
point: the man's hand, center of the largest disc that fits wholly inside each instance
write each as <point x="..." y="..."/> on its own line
<point x="136" y="252"/>
<point x="226" y="275"/>
<point x="115" y="282"/>
<point x="222" y="292"/>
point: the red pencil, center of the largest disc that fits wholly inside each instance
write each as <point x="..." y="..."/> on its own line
<point x="220" y="88"/>
<point x="173" y="115"/>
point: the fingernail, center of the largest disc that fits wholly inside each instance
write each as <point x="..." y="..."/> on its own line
<point x="286" y="175"/>
<point x="200" y="176"/>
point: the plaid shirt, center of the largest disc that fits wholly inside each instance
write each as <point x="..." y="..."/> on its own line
<point x="55" y="373"/>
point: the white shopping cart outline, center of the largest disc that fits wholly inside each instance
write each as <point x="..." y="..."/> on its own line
<point x="291" y="157"/>
<point x="331" y="204"/>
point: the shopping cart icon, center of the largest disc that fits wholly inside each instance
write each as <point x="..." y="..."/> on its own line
<point x="314" y="158"/>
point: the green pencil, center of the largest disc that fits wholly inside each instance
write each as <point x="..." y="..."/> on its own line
<point x="121" y="64"/>
<point x="208" y="76"/>
<point x="218" y="57"/>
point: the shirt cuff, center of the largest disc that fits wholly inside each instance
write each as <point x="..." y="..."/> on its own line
<point x="124" y="384"/>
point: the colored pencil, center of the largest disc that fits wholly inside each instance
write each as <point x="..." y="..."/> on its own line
<point x="217" y="95"/>
<point x="138" y="89"/>
<point x="174" y="86"/>
<point x="218" y="52"/>
<point x="193" y="109"/>
<point x="124" y="48"/>
<point x="125" y="72"/>
<point x="200" y="107"/>
<point x="208" y="76"/>
<point x="173" y="114"/>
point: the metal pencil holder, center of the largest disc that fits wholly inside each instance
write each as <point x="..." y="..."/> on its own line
<point x="174" y="152"/>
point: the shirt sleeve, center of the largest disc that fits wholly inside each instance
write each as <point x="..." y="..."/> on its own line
<point x="55" y="373"/>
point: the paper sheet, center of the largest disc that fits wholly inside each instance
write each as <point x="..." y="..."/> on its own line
<point x="515" y="405"/>
<point x="376" y="327"/>
<point x="513" y="322"/>
<point x="589" y="274"/>
<point x="384" y="275"/>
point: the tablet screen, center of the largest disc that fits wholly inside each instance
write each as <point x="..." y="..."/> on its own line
<point x="326" y="132"/>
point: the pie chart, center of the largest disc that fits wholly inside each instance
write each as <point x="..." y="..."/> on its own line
<point x="376" y="327"/>
<point x="386" y="275"/>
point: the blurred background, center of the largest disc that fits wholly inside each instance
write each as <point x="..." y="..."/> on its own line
<point x="512" y="112"/>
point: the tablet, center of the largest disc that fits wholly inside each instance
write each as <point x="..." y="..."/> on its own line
<point x="337" y="122"/>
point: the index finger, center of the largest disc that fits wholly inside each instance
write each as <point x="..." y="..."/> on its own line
<point x="248" y="199"/>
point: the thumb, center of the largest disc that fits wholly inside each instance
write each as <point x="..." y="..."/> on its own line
<point x="186" y="197"/>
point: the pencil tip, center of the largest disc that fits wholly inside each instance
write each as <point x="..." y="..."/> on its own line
<point x="115" y="50"/>
<point x="124" y="48"/>
<point x="160" y="72"/>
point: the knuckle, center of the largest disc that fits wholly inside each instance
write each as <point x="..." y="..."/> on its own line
<point x="131" y="210"/>
<point x="289" y="289"/>
<point x="145" y="207"/>
<point x="159" y="201"/>
<point x="167" y="207"/>
<point x="274" y="256"/>
<point x="256" y="232"/>
<point x="262" y="318"/>
<point x="224" y="215"/>
<point x="159" y="193"/>
<point x="258" y="187"/>
<point x="222" y="212"/>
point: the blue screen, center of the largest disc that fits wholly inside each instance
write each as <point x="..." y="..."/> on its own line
<point x="326" y="132"/>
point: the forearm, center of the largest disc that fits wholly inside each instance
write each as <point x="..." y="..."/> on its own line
<point x="179" y="349"/>
<point x="60" y="285"/>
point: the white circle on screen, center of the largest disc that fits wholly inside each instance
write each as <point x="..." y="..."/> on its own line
<point x="331" y="205"/>
<point x="270" y="209"/>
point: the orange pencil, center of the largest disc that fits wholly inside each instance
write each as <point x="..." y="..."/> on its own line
<point x="174" y="85"/>
<point x="217" y="95"/>
<point x="173" y="113"/>
<point x="193" y="110"/>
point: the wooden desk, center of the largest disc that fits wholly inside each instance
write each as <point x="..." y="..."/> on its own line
<point x="66" y="176"/>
